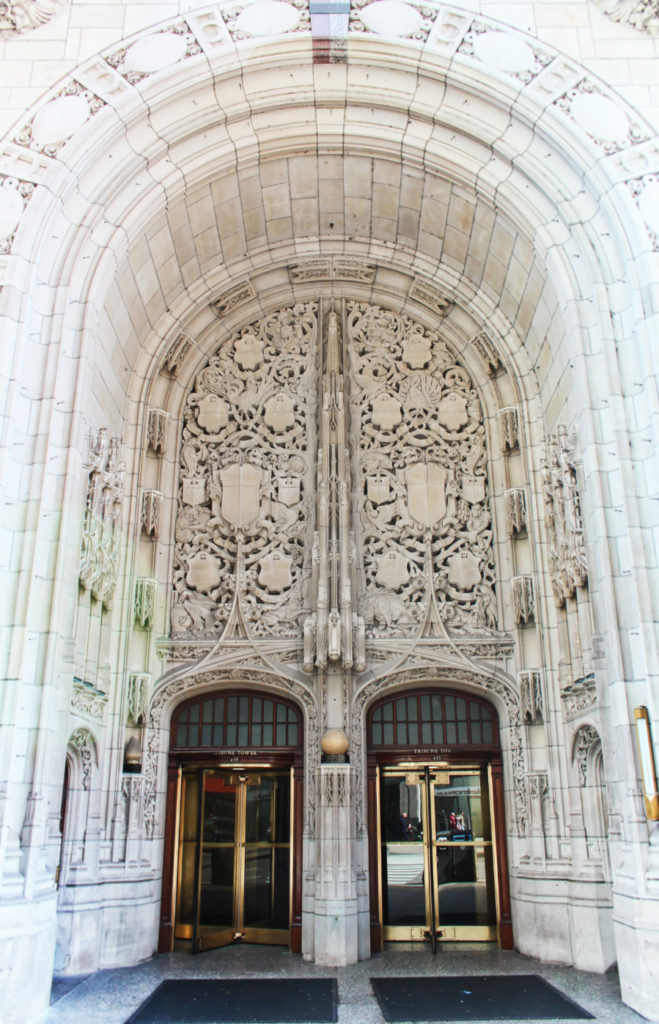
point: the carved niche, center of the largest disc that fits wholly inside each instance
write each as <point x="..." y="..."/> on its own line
<point x="246" y="492"/>
<point x="420" y="504"/>
<point x="99" y="557"/>
<point x="567" y="555"/>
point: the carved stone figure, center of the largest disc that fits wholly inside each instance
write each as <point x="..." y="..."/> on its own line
<point x="567" y="555"/>
<point x="99" y="558"/>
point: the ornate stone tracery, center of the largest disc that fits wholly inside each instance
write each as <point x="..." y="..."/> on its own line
<point x="420" y="502"/>
<point x="247" y="480"/>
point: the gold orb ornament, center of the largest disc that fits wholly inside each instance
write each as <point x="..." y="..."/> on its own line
<point x="334" y="741"/>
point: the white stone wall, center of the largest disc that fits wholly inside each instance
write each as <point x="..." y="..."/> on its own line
<point x="214" y="173"/>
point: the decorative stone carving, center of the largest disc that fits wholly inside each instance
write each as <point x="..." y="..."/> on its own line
<point x="516" y="513"/>
<point x="87" y="701"/>
<point x="504" y="51"/>
<point x="177" y="354"/>
<point x="233" y="298"/>
<point x="247" y="472"/>
<point x="586" y="739"/>
<point x="154" y="51"/>
<point x="509" y="429"/>
<point x="137" y="696"/>
<point x="14" y="197"/>
<point x="156" y="431"/>
<point x="99" y="557"/>
<point x="151" y="511"/>
<point x="429" y="297"/>
<point x="85" y="745"/>
<point x="145" y="601"/>
<point x="312" y="270"/>
<point x="531" y="699"/>
<point x="579" y="696"/>
<point x="567" y="555"/>
<point x="20" y="15"/>
<point x="640" y="14"/>
<point x="489" y="353"/>
<point x="338" y="267"/>
<point x="523" y="599"/>
<point x="421" y="496"/>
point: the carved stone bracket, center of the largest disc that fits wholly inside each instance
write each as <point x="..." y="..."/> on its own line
<point x="151" y="512"/>
<point x="523" y="599"/>
<point x="145" y="601"/>
<point x="531" y="698"/>
<point x="137" y="695"/>
<point x="82" y="741"/>
<point x="516" y="511"/>
<point x="156" y="431"/>
<point x="233" y="298"/>
<point x="489" y="353"/>
<point x="509" y="429"/>
<point x="176" y="355"/>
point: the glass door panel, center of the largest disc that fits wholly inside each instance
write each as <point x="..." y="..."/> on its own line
<point x="234" y="858"/>
<point x="436" y="856"/>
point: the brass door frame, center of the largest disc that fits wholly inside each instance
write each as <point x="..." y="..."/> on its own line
<point x="434" y="930"/>
<point x="209" y="936"/>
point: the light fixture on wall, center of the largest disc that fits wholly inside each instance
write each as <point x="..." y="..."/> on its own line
<point x="648" y="771"/>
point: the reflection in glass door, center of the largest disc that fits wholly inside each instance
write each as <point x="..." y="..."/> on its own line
<point x="234" y="858"/>
<point x="436" y="855"/>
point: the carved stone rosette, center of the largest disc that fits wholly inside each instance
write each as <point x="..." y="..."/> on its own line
<point x="567" y="554"/>
<point x="420" y="504"/>
<point x="99" y="557"/>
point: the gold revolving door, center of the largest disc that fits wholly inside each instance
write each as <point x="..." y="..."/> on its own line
<point x="235" y="866"/>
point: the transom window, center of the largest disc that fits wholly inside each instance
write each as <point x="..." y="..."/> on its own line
<point x="433" y="719"/>
<point x="236" y="720"/>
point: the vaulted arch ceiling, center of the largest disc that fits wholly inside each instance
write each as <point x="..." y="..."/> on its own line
<point x="202" y="161"/>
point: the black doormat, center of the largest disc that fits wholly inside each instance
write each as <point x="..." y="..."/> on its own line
<point x="474" y="997"/>
<point x="240" y="1001"/>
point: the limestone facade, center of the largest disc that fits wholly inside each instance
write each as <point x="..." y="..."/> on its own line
<point x="328" y="376"/>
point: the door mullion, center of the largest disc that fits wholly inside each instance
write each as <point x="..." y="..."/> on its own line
<point x="239" y="859"/>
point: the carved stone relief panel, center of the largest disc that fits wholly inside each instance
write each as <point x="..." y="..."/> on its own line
<point x="567" y="555"/>
<point x="99" y="556"/>
<point x="420" y="497"/>
<point x="246" y="490"/>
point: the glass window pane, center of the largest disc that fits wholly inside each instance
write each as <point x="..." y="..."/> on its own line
<point x="426" y="732"/>
<point x="243" y="712"/>
<point x="231" y="735"/>
<point x="257" y="709"/>
<point x="281" y="712"/>
<point x="232" y="709"/>
<point x="476" y="736"/>
<point x="207" y="712"/>
<point x="193" y="736"/>
<point x="450" y="708"/>
<point x="243" y="735"/>
<point x="377" y="732"/>
<point x="462" y="732"/>
<point x="401" y="732"/>
<point x="292" y="735"/>
<point x="438" y="732"/>
<point x="461" y="708"/>
<point x="218" y="736"/>
<point x="412" y="732"/>
<point x="267" y="735"/>
<point x="450" y="732"/>
<point x="281" y="735"/>
<point x="268" y="711"/>
<point x="206" y="734"/>
<point x="425" y="707"/>
<point x="377" y="715"/>
<point x="257" y="733"/>
<point x="388" y="711"/>
<point x="388" y="733"/>
<point x="487" y="732"/>
<point x="219" y="709"/>
<point x="400" y="709"/>
<point x="474" y="711"/>
<point x="437" y="709"/>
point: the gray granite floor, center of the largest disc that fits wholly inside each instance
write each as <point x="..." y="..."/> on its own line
<point x="110" y="997"/>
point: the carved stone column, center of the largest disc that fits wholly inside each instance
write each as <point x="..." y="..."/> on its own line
<point x="335" y="909"/>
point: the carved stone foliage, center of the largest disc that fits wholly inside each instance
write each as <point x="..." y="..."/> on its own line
<point x="137" y="695"/>
<point x="99" y="558"/>
<point x="88" y="701"/>
<point x="145" y="601"/>
<point x="20" y="15"/>
<point x="567" y="555"/>
<point x="640" y="14"/>
<point x="523" y="599"/>
<point x="585" y="742"/>
<point x="530" y="693"/>
<point x="579" y="696"/>
<point x="421" y="496"/>
<point x="247" y="480"/>
<point x="82" y="742"/>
